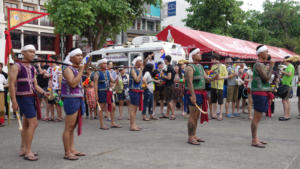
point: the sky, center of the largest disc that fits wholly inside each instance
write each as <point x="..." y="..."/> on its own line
<point x="254" y="4"/>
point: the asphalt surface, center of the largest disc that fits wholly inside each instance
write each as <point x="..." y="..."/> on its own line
<point x="162" y="145"/>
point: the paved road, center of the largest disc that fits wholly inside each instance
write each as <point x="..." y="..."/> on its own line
<point x="162" y="145"/>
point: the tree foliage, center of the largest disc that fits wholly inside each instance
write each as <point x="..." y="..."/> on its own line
<point x="213" y="15"/>
<point x="95" y="19"/>
<point x="278" y="24"/>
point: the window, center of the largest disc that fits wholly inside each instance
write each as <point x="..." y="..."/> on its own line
<point x="138" y="25"/>
<point x="47" y="41"/>
<point x="95" y="58"/>
<point x="10" y="5"/>
<point x="157" y="26"/>
<point x="30" y="8"/>
<point x="16" y="39"/>
<point x="31" y="38"/>
<point x="150" y="26"/>
<point x="143" y="24"/>
<point x="133" y="25"/>
<point x="45" y="21"/>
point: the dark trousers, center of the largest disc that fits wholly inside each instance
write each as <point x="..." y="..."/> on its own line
<point x="148" y="102"/>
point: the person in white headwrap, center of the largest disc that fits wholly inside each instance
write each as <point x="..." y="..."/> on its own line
<point x="72" y="94"/>
<point x="25" y="105"/>
<point x="102" y="80"/>
<point x="261" y="92"/>
<point x="135" y="91"/>
<point x="71" y="54"/>
<point x="195" y="77"/>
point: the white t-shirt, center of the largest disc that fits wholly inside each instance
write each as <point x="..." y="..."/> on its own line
<point x="3" y="82"/>
<point x="149" y="81"/>
<point x="55" y="72"/>
<point x="250" y="74"/>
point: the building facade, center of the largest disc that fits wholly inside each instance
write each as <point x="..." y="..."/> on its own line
<point x="173" y="13"/>
<point x="149" y="24"/>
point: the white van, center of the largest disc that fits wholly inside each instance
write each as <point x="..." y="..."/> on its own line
<point x="123" y="55"/>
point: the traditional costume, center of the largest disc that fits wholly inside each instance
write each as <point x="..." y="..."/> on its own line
<point x="73" y="97"/>
<point x="25" y="91"/>
<point x="261" y="91"/>
<point x="135" y="89"/>
<point x="104" y="94"/>
<point x="199" y="87"/>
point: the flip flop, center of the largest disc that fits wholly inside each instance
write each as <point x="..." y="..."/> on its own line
<point x="30" y="158"/>
<point x="258" y="145"/>
<point x="214" y="117"/>
<point x="34" y="153"/>
<point x="138" y="129"/>
<point x="220" y="118"/>
<point x="193" y="142"/>
<point x="200" y="140"/>
<point x="71" y="158"/>
<point x="173" y="118"/>
<point x="164" y="117"/>
<point x="80" y="154"/>
<point x="283" y="119"/>
<point x="116" y="126"/>
<point x="153" y="118"/>
<point x="145" y="119"/>
<point x="104" y="128"/>
<point x="58" y="120"/>
<point x="263" y="142"/>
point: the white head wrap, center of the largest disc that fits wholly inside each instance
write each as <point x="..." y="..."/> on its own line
<point x="261" y="49"/>
<point x="28" y="47"/>
<point x="71" y="54"/>
<point x="104" y="60"/>
<point x="136" y="59"/>
<point x="193" y="53"/>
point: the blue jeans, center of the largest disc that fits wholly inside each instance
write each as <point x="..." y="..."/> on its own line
<point x="148" y="102"/>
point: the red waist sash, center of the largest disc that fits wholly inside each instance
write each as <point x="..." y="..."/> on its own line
<point x="109" y="95"/>
<point x="204" y="117"/>
<point x="141" y="97"/>
<point x="270" y="96"/>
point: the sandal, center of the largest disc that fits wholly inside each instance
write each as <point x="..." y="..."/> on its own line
<point x="145" y="119"/>
<point x="71" y="158"/>
<point x="34" y="153"/>
<point x="153" y="118"/>
<point x="263" y="142"/>
<point x="193" y="142"/>
<point x="80" y="154"/>
<point x="214" y="117"/>
<point x="173" y="117"/>
<point x="104" y="128"/>
<point x="164" y="116"/>
<point x="135" y="129"/>
<point x="116" y="126"/>
<point x="58" y="120"/>
<point x="45" y="119"/>
<point x="30" y="158"/>
<point x="200" y="140"/>
<point x="258" y="145"/>
<point x="220" y="118"/>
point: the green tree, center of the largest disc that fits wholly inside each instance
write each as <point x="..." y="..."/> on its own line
<point x="95" y="19"/>
<point x="282" y="19"/>
<point x="214" y="16"/>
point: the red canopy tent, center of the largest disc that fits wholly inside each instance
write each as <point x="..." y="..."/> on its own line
<point x="222" y="45"/>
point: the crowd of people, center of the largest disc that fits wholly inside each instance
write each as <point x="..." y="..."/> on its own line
<point x="187" y="86"/>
